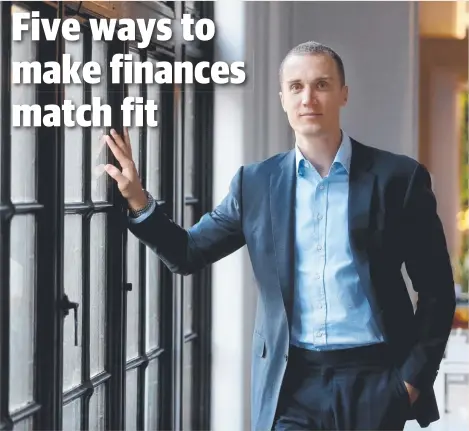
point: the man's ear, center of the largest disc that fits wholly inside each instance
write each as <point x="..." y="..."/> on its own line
<point x="281" y="101"/>
<point x="344" y="95"/>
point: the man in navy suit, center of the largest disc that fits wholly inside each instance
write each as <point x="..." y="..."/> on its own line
<point x="328" y="226"/>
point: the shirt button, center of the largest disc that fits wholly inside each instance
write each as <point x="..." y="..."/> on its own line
<point x="321" y="187"/>
<point x="319" y="334"/>
<point x="286" y="357"/>
<point x="317" y="276"/>
<point x="319" y="247"/>
<point x="319" y="216"/>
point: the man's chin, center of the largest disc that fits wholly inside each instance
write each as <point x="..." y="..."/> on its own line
<point x="312" y="131"/>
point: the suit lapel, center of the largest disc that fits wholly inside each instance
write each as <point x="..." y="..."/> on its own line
<point x="282" y="206"/>
<point x="362" y="189"/>
<point x="361" y="186"/>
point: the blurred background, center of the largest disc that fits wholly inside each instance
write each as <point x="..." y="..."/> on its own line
<point x="95" y="333"/>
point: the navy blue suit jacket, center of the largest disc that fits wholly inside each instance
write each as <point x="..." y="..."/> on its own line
<point x="392" y="220"/>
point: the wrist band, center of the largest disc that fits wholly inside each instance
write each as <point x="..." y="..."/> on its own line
<point x="137" y="213"/>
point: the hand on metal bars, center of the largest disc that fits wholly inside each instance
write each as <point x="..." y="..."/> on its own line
<point x="128" y="181"/>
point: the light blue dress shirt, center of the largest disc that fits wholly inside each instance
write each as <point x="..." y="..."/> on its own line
<point x="330" y="310"/>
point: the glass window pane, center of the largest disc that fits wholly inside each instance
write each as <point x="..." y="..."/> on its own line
<point x="73" y="279"/>
<point x="133" y="297"/>
<point x="151" y="396"/>
<point x="98" y="409"/>
<point x="134" y="90"/>
<point x="187" y="387"/>
<point x="97" y="293"/>
<point x="153" y="183"/>
<point x="22" y="310"/>
<point x="74" y="135"/>
<point x="24" y="425"/>
<point x="188" y="216"/>
<point x="152" y="300"/>
<point x="188" y="303"/>
<point x="98" y="147"/>
<point x="189" y="167"/>
<point x="1" y="98"/>
<point x="23" y="139"/>
<point x="131" y="400"/>
<point x="71" y="416"/>
<point x="188" y="282"/>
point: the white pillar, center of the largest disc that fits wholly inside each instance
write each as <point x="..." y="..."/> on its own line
<point x="228" y="344"/>
<point x="249" y="126"/>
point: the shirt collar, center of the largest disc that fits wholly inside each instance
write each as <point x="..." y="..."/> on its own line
<point x="342" y="157"/>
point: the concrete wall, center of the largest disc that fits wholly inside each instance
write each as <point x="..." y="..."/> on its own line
<point x="378" y="42"/>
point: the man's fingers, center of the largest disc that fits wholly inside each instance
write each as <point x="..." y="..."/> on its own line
<point x="121" y="157"/>
<point x="115" y="173"/>
<point x="121" y="144"/>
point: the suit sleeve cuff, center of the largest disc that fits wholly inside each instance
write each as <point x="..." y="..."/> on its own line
<point x="144" y="216"/>
<point x="417" y="372"/>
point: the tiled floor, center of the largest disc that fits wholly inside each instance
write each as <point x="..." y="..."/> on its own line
<point x="457" y="418"/>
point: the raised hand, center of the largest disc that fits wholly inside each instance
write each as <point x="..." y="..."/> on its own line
<point x="128" y="181"/>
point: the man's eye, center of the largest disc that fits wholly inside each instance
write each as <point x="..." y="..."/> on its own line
<point x="322" y="84"/>
<point x="295" y="87"/>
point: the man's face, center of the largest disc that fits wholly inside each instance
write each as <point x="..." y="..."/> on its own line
<point x="312" y="94"/>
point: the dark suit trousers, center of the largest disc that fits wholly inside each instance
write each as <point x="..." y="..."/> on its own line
<point x="350" y="389"/>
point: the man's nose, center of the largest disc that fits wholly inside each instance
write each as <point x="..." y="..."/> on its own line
<point x="309" y="97"/>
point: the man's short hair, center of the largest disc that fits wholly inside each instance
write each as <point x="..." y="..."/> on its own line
<point x="311" y="48"/>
